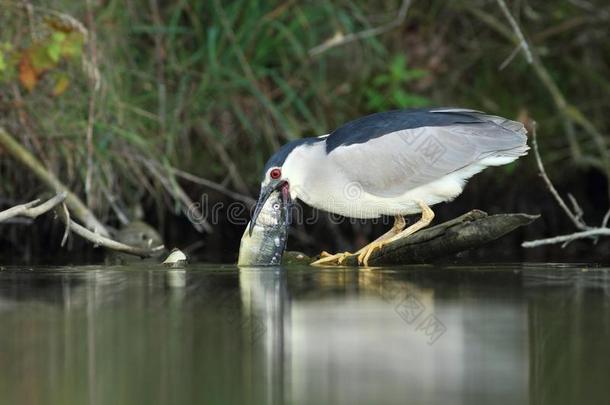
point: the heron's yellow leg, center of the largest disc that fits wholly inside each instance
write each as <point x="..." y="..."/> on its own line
<point x="399" y="225"/>
<point x="426" y="217"/>
<point x="339" y="258"/>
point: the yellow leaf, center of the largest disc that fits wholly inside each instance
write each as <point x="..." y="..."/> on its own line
<point x="60" y="86"/>
<point x="27" y="73"/>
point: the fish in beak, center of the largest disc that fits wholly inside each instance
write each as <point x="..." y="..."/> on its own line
<point x="266" y="190"/>
<point x="264" y="241"/>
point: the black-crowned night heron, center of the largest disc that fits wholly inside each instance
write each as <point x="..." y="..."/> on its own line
<point x="391" y="163"/>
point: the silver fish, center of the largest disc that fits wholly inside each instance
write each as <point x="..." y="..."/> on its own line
<point x="264" y="244"/>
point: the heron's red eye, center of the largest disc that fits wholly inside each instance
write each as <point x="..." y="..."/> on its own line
<point x="275" y="174"/>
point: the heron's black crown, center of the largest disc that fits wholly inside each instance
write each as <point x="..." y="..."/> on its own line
<point x="279" y="157"/>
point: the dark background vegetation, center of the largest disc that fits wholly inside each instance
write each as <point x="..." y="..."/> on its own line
<point x="130" y="97"/>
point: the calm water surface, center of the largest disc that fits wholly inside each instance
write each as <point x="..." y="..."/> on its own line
<point x="217" y="335"/>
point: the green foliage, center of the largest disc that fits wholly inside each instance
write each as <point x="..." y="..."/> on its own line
<point x="390" y="89"/>
<point x="7" y="61"/>
<point x="31" y="61"/>
<point x="190" y="81"/>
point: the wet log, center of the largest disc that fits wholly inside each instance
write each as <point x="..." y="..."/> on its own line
<point x="468" y="231"/>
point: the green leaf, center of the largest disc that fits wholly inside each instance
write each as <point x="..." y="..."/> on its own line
<point x="54" y="47"/>
<point x="405" y="100"/>
<point x="375" y="101"/>
<point x="398" y="67"/>
<point x="2" y="62"/>
<point x="413" y="74"/>
<point x="41" y="60"/>
<point x="381" y="80"/>
<point x="72" y="45"/>
<point x="58" y="37"/>
<point x="54" y="51"/>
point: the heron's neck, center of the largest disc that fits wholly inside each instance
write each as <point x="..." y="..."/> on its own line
<point x="308" y="171"/>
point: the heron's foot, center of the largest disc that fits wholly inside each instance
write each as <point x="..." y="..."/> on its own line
<point x="327" y="258"/>
<point x="427" y="215"/>
<point x="365" y="252"/>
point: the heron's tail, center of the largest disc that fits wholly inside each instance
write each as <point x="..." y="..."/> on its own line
<point x="520" y="148"/>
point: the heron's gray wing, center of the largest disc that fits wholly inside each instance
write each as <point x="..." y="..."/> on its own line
<point x="393" y="163"/>
<point x="375" y="125"/>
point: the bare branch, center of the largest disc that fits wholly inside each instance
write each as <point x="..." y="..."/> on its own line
<point x="74" y="203"/>
<point x="606" y="218"/>
<point x="339" y="39"/>
<point x="577" y="209"/>
<point x="517" y="30"/>
<point x="575" y="220"/>
<point x="191" y="210"/>
<point x="64" y="239"/>
<point x="213" y="185"/>
<point x="570" y="115"/>
<point x="31" y="209"/>
<point x="575" y="216"/>
<point x="510" y="58"/>
<point x="103" y="241"/>
<point x="567" y="238"/>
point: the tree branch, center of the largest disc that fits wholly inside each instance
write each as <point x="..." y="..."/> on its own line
<point x="339" y="39"/>
<point x="517" y="30"/>
<point x="578" y="222"/>
<point x="591" y="233"/>
<point x="574" y="216"/>
<point x="31" y="209"/>
<point x="569" y="114"/>
<point x="103" y="241"/>
<point x="74" y="203"/>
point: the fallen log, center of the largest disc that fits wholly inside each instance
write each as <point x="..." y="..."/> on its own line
<point x="468" y="231"/>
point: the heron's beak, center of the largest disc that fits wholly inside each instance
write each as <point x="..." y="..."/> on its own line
<point x="287" y="203"/>
<point x="265" y="193"/>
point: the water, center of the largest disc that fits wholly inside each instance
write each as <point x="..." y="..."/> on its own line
<point x="420" y="335"/>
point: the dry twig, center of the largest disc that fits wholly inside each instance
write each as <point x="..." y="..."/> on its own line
<point x="32" y="209"/>
<point x="571" y="116"/>
<point x="574" y="215"/>
<point x="79" y="209"/>
<point x="213" y="185"/>
<point x="103" y="241"/>
<point x="193" y="211"/>
<point x="339" y="39"/>
<point x="513" y="23"/>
